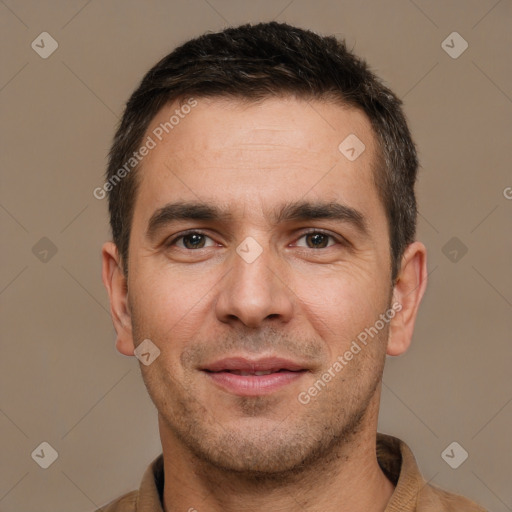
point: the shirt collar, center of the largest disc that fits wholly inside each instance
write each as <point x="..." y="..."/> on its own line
<point x="398" y="463"/>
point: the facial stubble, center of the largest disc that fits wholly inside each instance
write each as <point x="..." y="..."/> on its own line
<point x="270" y="439"/>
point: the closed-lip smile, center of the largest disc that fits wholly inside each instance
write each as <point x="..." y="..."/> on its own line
<point x="253" y="377"/>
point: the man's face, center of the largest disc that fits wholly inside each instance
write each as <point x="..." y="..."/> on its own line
<point x="217" y="307"/>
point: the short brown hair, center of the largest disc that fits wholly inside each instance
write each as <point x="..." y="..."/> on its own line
<point x="254" y="62"/>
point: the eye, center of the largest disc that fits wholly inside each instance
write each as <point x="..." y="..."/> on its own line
<point x="316" y="240"/>
<point x="191" y="240"/>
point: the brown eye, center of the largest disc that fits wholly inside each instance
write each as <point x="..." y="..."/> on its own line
<point x="316" y="240"/>
<point x="191" y="241"/>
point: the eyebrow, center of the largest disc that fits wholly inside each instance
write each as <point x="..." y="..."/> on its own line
<point x="295" y="211"/>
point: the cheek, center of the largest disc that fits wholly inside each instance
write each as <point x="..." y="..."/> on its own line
<point x="166" y="295"/>
<point x="340" y="306"/>
<point x="169" y="308"/>
<point x="341" y="296"/>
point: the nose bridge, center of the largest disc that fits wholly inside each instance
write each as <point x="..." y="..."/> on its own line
<point x="254" y="290"/>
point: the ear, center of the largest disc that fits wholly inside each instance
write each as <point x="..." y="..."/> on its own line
<point x="117" y="288"/>
<point x="407" y="294"/>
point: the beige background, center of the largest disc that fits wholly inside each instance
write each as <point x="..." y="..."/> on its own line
<point x="62" y="380"/>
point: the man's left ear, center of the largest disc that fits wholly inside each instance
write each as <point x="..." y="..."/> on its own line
<point x="407" y="294"/>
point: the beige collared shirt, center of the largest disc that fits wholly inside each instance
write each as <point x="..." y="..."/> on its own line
<point x="412" y="493"/>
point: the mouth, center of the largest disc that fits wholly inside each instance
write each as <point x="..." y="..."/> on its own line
<point x="246" y="377"/>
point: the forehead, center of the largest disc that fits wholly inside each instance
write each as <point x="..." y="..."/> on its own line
<point x="252" y="156"/>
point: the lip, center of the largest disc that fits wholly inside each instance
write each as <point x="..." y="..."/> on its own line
<point x="284" y="372"/>
<point x="253" y="365"/>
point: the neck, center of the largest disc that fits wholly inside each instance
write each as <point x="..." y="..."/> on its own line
<point x="351" y="480"/>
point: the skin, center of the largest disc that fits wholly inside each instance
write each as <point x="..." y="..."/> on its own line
<point x="224" y="452"/>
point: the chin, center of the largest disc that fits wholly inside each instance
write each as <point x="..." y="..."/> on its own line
<point x="257" y="461"/>
<point x="261" y="449"/>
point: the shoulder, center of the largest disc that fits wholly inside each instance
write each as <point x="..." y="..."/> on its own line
<point x="436" y="499"/>
<point x="125" y="503"/>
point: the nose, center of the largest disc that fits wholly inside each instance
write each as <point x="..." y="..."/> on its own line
<point x="255" y="292"/>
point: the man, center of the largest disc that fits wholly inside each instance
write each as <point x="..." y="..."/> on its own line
<point x="263" y="264"/>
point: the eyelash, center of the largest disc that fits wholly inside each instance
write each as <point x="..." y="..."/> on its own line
<point x="340" y="241"/>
